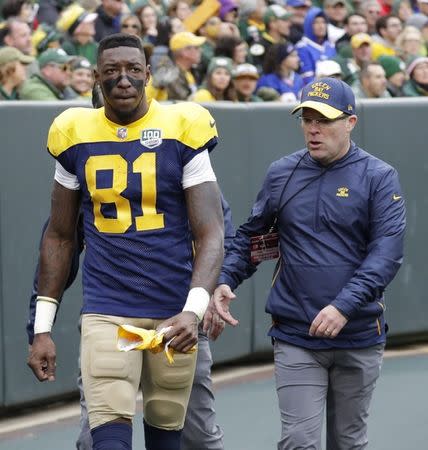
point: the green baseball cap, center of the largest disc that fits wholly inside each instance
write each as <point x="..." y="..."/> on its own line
<point x="54" y="55"/>
<point x="276" y="12"/>
<point x="220" y="62"/>
<point x="9" y="54"/>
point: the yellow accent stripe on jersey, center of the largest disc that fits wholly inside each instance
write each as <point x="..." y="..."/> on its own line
<point x="189" y="123"/>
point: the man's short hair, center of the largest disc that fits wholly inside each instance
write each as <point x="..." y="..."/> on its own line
<point x="6" y="29"/>
<point x="346" y="21"/>
<point x="382" y="22"/>
<point x="365" y="69"/>
<point x="12" y="8"/>
<point x="120" y="40"/>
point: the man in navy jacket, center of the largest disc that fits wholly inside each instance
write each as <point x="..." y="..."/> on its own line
<point x="340" y="216"/>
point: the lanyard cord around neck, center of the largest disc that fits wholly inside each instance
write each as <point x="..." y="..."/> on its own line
<point x="282" y="206"/>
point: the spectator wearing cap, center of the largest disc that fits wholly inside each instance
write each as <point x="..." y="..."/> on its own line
<point x="280" y="72"/>
<point x="328" y="68"/>
<point x="395" y="72"/>
<point x="108" y="19"/>
<point x="336" y="12"/>
<point x="314" y="46"/>
<point x="45" y="37"/>
<point x="372" y="82"/>
<point x="354" y="23"/>
<point x="410" y="43"/>
<point x="16" y="33"/>
<point x="82" y="77"/>
<point x="79" y="28"/>
<point x="218" y="84"/>
<point x="418" y="20"/>
<point x="277" y="23"/>
<point x="388" y="29"/>
<point x="417" y="70"/>
<point x="229" y="11"/>
<point x="175" y="76"/>
<point x="361" y="55"/>
<point x="12" y="72"/>
<point x="245" y="78"/>
<point x="298" y="9"/>
<point x="277" y="30"/>
<point x="54" y="79"/>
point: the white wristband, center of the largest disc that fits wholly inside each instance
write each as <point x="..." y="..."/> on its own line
<point x="45" y="314"/>
<point x="197" y="301"/>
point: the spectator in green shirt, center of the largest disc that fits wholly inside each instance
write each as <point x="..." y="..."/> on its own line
<point x="54" y="79"/>
<point x="12" y="72"/>
<point x="78" y="25"/>
<point x="417" y="85"/>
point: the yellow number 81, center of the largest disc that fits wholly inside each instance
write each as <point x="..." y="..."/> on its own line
<point x="145" y="165"/>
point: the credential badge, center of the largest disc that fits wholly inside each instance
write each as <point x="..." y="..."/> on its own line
<point x="151" y="138"/>
<point x="122" y="133"/>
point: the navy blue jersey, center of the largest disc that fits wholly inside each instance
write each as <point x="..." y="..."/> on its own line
<point x="138" y="259"/>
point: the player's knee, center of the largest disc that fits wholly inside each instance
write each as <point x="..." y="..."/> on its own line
<point x="120" y="396"/>
<point x="112" y="436"/>
<point x="158" y="438"/>
<point x="165" y="413"/>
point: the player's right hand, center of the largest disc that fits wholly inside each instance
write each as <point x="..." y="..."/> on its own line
<point x="42" y="356"/>
<point x="223" y="295"/>
<point x="183" y="331"/>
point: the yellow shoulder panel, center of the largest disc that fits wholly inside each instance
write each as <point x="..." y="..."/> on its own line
<point x="189" y="123"/>
<point x="74" y="126"/>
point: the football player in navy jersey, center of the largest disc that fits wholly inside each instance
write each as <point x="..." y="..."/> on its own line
<point x="200" y="427"/>
<point x="141" y="174"/>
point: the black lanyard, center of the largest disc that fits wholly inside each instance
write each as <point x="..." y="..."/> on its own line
<point x="282" y="206"/>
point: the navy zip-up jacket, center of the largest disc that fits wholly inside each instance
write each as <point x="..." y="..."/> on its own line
<point x="341" y="231"/>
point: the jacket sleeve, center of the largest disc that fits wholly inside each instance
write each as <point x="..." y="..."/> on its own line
<point x="384" y="249"/>
<point x="237" y="265"/>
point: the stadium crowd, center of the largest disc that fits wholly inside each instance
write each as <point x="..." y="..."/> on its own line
<point x="211" y="50"/>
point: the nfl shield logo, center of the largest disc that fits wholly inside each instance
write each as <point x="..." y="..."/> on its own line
<point x="151" y="137"/>
<point x="122" y="133"/>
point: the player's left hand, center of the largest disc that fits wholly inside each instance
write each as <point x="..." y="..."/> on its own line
<point x="184" y="330"/>
<point x="213" y="325"/>
<point x="328" y="323"/>
<point x="42" y="356"/>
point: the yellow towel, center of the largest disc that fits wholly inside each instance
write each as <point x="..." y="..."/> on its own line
<point x="135" y="338"/>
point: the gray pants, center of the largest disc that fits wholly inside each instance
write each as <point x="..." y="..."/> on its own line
<point x="306" y="381"/>
<point x="200" y="428"/>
